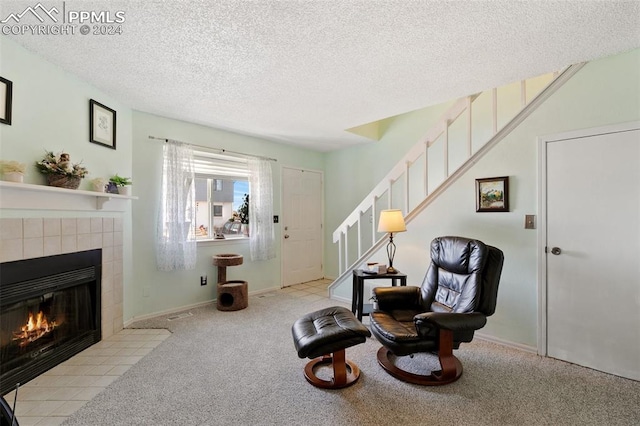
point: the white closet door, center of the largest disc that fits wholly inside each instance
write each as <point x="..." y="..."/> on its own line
<point x="593" y="258"/>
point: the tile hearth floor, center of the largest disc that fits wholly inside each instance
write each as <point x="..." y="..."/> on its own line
<point x="55" y="395"/>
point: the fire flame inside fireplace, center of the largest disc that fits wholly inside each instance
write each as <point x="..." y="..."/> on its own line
<point x="36" y="328"/>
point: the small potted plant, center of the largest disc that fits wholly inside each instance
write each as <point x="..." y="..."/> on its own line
<point x="12" y="171"/>
<point x="60" y="171"/>
<point x="122" y="183"/>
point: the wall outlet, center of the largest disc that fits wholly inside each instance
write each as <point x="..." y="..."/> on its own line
<point x="145" y="291"/>
<point x="203" y="280"/>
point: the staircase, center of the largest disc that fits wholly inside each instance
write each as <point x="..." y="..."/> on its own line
<point x="446" y="152"/>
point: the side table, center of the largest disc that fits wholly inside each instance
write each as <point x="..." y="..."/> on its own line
<point x="358" y="307"/>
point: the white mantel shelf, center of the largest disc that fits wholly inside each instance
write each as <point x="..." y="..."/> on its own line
<point x="41" y="197"/>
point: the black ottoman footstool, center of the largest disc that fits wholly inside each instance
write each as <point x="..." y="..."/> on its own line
<point x="326" y="334"/>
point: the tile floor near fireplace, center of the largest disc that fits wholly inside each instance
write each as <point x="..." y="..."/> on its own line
<point x="53" y="396"/>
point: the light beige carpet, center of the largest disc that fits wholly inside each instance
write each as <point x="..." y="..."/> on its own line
<point x="240" y="368"/>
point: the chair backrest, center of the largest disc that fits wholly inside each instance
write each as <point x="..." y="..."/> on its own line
<point x="490" y="280"/>
<point x="463" y="276"/>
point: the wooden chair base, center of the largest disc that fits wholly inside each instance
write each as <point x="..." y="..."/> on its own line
<point x="345" y="373"/>
<point x="451" y="366"/>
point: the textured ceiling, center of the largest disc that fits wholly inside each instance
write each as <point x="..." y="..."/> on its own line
<point x="302" y="72"/>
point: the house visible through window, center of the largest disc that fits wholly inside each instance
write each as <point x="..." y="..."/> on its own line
<point x="221" y="183"/>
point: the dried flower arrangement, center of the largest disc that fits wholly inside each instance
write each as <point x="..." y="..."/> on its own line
<point x="60" y="171"/>
<point x="60" y="164"/>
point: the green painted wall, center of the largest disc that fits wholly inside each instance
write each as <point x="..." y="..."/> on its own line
<point x="156" y="291"/>
<point x="351" y="173"/>
<point x="51" y="112"/>
<point x="604" y="92"/>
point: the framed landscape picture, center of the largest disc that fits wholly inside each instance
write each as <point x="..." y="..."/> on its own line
<point x="6" y="93"/>
<point x="102" y="124"/>
<point x="492" y="194"/>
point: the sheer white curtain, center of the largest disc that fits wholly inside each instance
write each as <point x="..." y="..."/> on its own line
<point x="176" y="243"/>
<point x="261" y="233"/>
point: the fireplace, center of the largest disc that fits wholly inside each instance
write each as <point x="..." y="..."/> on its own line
<point x="49" y="311"/>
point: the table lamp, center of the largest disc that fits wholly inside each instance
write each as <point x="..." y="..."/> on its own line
<point x="391" y="221"/>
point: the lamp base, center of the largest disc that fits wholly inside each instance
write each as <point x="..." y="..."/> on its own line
<point x="392" y="270"/>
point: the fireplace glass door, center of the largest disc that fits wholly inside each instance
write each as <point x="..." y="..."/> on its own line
<point x="49" y="311"/>
<point x="32" y="328"/>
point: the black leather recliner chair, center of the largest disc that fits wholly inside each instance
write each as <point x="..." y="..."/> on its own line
<point x="457" y="295"/>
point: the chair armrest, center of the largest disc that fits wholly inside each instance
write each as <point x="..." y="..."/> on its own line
<point x="392" y="298"/>
<point x="449" y="321"/>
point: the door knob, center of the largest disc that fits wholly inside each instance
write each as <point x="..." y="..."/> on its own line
<point x="556" y="251"/>
<point x="286" y="235"/>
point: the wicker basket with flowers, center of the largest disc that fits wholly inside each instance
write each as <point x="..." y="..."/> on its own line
<point x="60" y="171"/>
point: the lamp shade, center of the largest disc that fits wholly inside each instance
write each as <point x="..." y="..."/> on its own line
<point x="391" y="221"/>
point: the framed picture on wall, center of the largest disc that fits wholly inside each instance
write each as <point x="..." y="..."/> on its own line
<point x="6" y="93"/>
<point x="102" y="124"/>
<point x="492" y="194"/>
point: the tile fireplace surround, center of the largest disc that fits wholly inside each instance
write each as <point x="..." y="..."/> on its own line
<point x="37" y="237"/>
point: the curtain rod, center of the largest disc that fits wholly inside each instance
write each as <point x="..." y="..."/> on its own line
<point x="214" y="149"/>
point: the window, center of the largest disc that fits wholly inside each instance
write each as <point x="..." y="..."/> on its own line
<point x="221" y="183"/>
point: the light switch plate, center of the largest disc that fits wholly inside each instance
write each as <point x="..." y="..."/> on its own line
<point x="529" y="221"/>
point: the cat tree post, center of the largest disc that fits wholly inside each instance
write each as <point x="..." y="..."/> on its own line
<point x="232" y="295"/>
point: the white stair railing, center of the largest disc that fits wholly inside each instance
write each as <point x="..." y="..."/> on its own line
<point x="461" y="110"/>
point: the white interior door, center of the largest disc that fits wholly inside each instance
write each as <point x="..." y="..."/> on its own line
<point x="301" y="226"/>
<point x="593" y="251"/>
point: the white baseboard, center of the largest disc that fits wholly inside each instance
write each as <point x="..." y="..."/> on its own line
<point x="507" y="343"/>
<point x="266" y="290"/>
<point x="488" y="338"/>
<point x="128" y="322"/>
<point x="482" y="336"/>
<point x="166" y="312"/>
<point x="340" y="299"/>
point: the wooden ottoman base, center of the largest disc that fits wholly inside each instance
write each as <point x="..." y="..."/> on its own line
<point x="345" y="372"/>
<point x="323" y="336"/>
